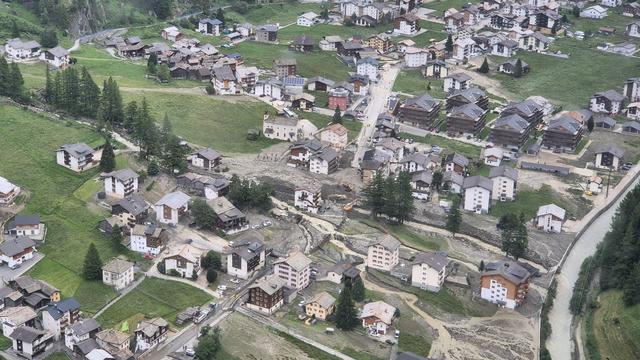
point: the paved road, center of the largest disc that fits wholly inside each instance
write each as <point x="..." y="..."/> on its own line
<point x="559" y="344"/>
<point x="379" y="94"/>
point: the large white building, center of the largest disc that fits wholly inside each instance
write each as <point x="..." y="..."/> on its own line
<point x="77" y="157"/>
<point x="477" y="194"/>
<point x="429" y="270"/>
<point x="368" y="66"/>
<point x="415" y="57"/>
<point x="336" y="135"/>
<point x="57" y="57"/>
<point x="8" y="192"/>
<point x="287" y="128"/>
<point x="308" y="19"/>
<point x="550" y="218"/>
<point x="121" y="183"/>
<point x="171" y="207"/>
<point x="308" y="198"/>
<point x="245" y="256"/>
<point x="295" y="270"/>
<point x="117" y="273"/>
<point x="384" y="253"/>
<point x="147" y="239"/>
<point x="185" y="261"/>
<point x="505" y="180"/>
<point x="18" y="49"/>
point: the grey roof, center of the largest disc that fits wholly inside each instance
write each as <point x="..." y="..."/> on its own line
<point x="456" y="159"/>
<point x="15" y="246"/>
<point x="605" y="120"/>
<point x="612" y="149"/>
<point x="268" y="27"/>
<point x="524" y="108"/>
<point x="270" y="284"/>
<point x="510" y="270"/>
<point x="25" y="220"/>
<point x="77" y="150"/>
<point x="285" y="62"/>
<point x="425" y="176"/>
<point x="472" y="94"/>
<point x="320" y="79"/>
<point x="327" y="154"/>
<point x="26" y="334"/>
<point x="58" y="51"/>
<point x="117" y="266"/>
<point x="123" y="175"/>
<point x="513" y="122"/>
<point x="297" y="260"/>
<point x="248" y="245"/>
<point x="436" y="260"/>
<point x="17" y="43"/>
<point x="611" y="95"/>
<point x="224" y="73"/>
<point x="58" y="309"/>
<point x="174" y="200"/>
<point x="388" y="242"/>
<point x="459" y="77"/>
<point x="452" y="176"/>
<point x="85" y="326"/>
<point x="425" y="102"/>
<point x="324" y="299"/>
<point x="86" y="346"/>
<point x="134" y="204"/>
<point x="503" y="170"/>
<point x="566" y="123"/>
<point x="224" y="209"/>
<point x="477" y="181"/>
<point x="562" y="170"/>
<point x="208" y="154"/>
<point x="211" y="21"/>
<point x="368" y="60"/>
<point x="311" y="144"/>
<point x="151" y="327"/>
<point x="470" y="110"/>
<point x="632" y="124"/>
<point x="551" y="209"/>
<point x="513" y="62"/>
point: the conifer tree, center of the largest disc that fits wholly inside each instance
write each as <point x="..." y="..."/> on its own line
<point x="92" y="269"/>
<point x="346" y="314"/>
<point x="358" y="289"/>
<point x="448" y="45"/>
<point x="374" y="194"/>
<point x="484" y="68"/>
<point x="108" y="159"/>
<point x="517" y="71"/>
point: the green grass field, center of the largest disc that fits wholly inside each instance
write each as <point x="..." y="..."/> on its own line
<point x="570" y="82"/>
<point x="441" y="5"/>
<point x="528" y="202"/>
<point x="28" y="24"/>
<point x="209" y="122"/>
<point x="617" y="327"/>
<point x="273" y="13"/>
<point x="408" y="237"/>
<point x="71" y="227"/>
<point x="317" y="63"/>
<point x="57" y="356"/>
<point x="151" y="298"/>
<point x="448" y="145"/>
<point x="412" y="82"/>
<point x="317" y="32"/>
<point x="435" y="32"/>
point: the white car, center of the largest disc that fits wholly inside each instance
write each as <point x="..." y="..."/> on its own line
<point x="190" y="352"/>
<point x="222" y="287"/>
<point x="235" y="281"/>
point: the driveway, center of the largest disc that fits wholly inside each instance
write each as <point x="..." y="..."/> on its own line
<point x="9" y="274"/>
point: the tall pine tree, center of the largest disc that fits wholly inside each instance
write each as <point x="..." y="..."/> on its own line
<point x="92" y="269"/>
<point x="374" y="195"/>
<point x="346" y="314"/>
<point x="108" y="159"/>
<point x="89" y="100"/>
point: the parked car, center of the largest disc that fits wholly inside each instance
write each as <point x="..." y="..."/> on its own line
<point x="190" y="352"/>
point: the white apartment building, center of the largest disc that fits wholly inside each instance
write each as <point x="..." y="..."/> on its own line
<point x="384" y="253"/>
<point x="294" y="270"/>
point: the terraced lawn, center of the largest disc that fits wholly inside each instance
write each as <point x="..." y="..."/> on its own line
<point x="617" y="327"/>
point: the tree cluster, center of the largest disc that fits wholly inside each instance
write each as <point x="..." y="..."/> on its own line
<point x="49" y="38"/>
<point x="245" y="193"/>
<point x="203" y="215"/>
<point x="208" y="344"/>
<point x="11" y="81"/>
<point x="73" y="92"/>
<point x="514" y="235"/>
<point x="454" y="218"/>
<point x="391" y="196"/>
<point x="111" y="110"/>
<point x="620" y="250"/>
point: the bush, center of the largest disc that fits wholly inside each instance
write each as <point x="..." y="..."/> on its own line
<point x="150" y="186"/>
<point x="212" y="275"/>
<point x="153" y="169"/>
<point x="210" y="90"/>
<point x="174" y="272"/>
<point x="161" y="268"/>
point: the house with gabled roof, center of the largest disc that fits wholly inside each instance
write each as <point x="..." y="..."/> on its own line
<point x="383" y="253"/>
<point x="452" y="182"/>
<point x="8" y="192"/>
<point x="150" y="333"/>
<point x="421" y="184"/>
<point x="563" y="132"/>
<point x="224" y="80"/>
<point x="456" y="81"/>
<point x="15" y="317"/>
<point x="472" y="95"/>
<point x="229" y="218"/>
<point x="26" y="225"/>
<point x="18" y="49"/>
<point x="477" y="194"/>
<point x="206" y="158"/>
<point x="505" y="181"/>
<point x="505" y="283"/>
<point x="60" y="314"/>
<point x="246" y="255"/>
<point x="79" y="332"/>
<point x="335" y="135"/>
<point x="210" y="26"/>
<point x="610" y="102"/>
<point x="185" y="260"/>
<point x="302" y="43"/>
<point x="320" y="306"/>
<point x="509" y="67"/>
<point x="609" y="157"/>
<point x="428" y="270"/>
<point x="15" y="251"/>
<point x="171" y="207"/>
<point x="510" y="131"/>
<point x="295" y="270"/>
<point x="456" y="163"/>
<point x="421" y="111"/>
<point x="267" y="33"/>
<point x="528" y="109"/>
<point x="466" y="119"/>
<point x="324" y="162"/>
<point x="121" y="183"/>
<point x="29" y="342"/>
<point x="148" y="239"/>
<point x="308" y="19"/>
<point x="131" y="210"/>
<point x="37" y="293"/>
<point x="77" y="157"/>
<point x="266" y="295"/>
<point x="550" y="218"/>
<point x="57" y="57"/>
<point x="118" y="273"/>
<point x="377" y="317"/>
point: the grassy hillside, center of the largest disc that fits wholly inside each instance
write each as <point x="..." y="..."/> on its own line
<point x="71" y="227"/>
<point x="616" y="328"/>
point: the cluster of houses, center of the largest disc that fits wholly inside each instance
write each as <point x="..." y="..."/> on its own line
<point x="21" y="50"/>
<point x="612" y="103"/>
<point x="35" y="317"/>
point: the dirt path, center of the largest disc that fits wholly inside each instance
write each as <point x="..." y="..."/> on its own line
<point x="493" y="86"/>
